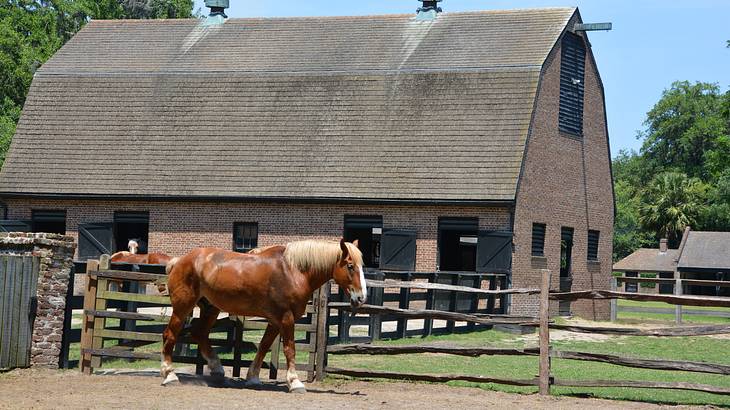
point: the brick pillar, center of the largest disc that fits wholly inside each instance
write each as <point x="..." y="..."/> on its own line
<point x="56" y="261"/>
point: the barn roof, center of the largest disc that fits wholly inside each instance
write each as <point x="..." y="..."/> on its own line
<point x="376" y="107"/>
<point x="648" y="260"/>
<point x="706" y="250"/>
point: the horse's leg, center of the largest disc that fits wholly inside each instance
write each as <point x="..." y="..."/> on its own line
<point x="252" y="377"/>
<point x="201" y="335"/>
<point x="181" y="308"/>
<point x="287" y="337"/>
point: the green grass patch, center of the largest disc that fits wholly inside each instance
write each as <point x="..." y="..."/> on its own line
<point x="707" y="349"/>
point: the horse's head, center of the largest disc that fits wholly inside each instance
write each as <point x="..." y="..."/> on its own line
<point x="349" y="275"/>
<point x="133" y="246"/>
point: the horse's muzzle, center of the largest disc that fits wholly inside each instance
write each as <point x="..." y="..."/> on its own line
<point x="356" y="301"/>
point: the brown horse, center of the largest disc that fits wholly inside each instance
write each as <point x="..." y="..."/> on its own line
<point x="155" y="258"/>
<point x="275" y="283"/>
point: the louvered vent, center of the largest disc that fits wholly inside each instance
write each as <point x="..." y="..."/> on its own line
<point x="593" y="239"/>
<point x="538" y="239"/>
<point x="572" y="87"/>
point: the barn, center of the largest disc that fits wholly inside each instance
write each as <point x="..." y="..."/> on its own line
<point x="470" y="142"/>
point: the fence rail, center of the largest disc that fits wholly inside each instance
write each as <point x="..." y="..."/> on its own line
<point x="544" y="351"/>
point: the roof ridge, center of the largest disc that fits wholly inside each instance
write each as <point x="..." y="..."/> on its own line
<point x="341" y="17"/>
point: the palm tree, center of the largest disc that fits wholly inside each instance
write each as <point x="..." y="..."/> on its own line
<point x="671" y="202"/>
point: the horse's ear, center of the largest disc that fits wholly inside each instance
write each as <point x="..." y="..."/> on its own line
<point x="345" y="252"/>
<point x="356" y="242"/>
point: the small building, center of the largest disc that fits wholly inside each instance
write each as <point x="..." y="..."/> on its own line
<point x="472" y="142"/>
<point x="701" y="256"/>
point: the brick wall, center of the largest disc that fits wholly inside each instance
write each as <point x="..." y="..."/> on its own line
<point x="55" y="253"/>
<point x="565" y="182"/>
<point x="175" y="228"/>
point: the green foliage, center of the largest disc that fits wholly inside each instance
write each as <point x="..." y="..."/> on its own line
<point x="646" y="284"/>
<point x="671" y="202"/>
<point x="31" y="31"/>
<point x="682" y="174"/>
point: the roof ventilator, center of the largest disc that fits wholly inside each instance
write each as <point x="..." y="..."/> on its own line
<point x="217" y="11"/>
<point x="429" y="11"/>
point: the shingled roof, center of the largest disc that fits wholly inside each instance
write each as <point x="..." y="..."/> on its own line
<point x="376" y="108"/>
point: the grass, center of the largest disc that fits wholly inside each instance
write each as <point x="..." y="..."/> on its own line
<point x="706" y="349"/>
<point x="664" y="317"/>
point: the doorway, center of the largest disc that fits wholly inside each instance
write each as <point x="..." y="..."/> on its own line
<point x="566" y="263"/>
<point x="368" y="231"/>
<point x="131" y="225"/>
<point x="457" y="244"/>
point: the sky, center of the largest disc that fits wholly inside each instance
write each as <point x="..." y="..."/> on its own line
<point x="653" y="43"/>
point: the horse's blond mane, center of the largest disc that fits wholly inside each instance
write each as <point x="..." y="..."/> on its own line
<point x="318" y="256"/>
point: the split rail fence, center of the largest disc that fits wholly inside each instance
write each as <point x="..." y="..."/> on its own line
<point x="544" y="351"/>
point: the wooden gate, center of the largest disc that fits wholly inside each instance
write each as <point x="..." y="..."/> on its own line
<point x="18" y="285"/>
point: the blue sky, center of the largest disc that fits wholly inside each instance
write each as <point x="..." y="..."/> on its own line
<point x="653" y="43"/>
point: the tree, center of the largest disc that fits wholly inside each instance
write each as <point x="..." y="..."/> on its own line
<point x="671" y="202"/>
<point x="683" y="128"/>
<point x="31" y="31"/>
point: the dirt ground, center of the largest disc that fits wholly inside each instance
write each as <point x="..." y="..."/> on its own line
<point x="46" y="389"/>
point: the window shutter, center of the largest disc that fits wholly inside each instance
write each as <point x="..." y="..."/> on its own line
<point x="398" y="249"/>
<point x="538" y="239"/>
<point x="95" y="239"/>
<point x="572" y="87"/>
<point x="593" y="240"/>
<point x="14" y="226"/>
<point x="494" y="252"/>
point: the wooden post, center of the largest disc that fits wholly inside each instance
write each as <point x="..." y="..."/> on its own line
<point x="677" y="292"/>
<point x="404" y="303"/>
<point x="99" y="323"/>
<point x="614" y="302"/>
<point x="545" y="333"/>
<point x="430" y="303"/>
<point x="376" y="298"/>
<point x="320" y="319"/>
<point x="237" y="346"/>
<point x="87" y="327"/>
<point x="450" y="324"/>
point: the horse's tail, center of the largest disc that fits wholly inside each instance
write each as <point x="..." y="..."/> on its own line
<point x="162" y="287"/>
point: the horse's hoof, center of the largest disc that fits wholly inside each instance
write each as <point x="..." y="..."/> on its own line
<point x="253" y="382"/>
<point x="298" y="390"/>
<point x="171" y="380"/>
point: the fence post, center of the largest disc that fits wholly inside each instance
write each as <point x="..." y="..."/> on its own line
<point x="376" y="298"/>
<point x="430" y="304"/>
<point x="614" y="302"/>
<point x="404" y="303"/>
<point x="99" y="323"/>
<point x="87" y="328"/>
<point x="678" y="292"/>
<point x="320" y="361"/>
<point x="544" y="380"/>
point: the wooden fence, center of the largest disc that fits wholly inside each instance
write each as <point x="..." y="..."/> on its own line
<point x="18" y="285"/>
<point x="544" y="351"/>
<point x="99" y="341"/>
<point x="398" y="291"/>
<point x="678" y="287"/>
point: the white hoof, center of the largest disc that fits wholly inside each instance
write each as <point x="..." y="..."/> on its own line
<point x="171" y="379"/>
<point x="297" y="387"/>
<point x="254" y="381"/>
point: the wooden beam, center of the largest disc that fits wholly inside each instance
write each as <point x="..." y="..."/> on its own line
<point x="676" y="300"/>
<point x="661" y="332"/>
<point x="686" y="366"/>
<point x="429" y="377"/>
<point x="410" y="349"/>
<point x="544" y="370"/>
<point x="125" y="315"/>
<point x="125" y="275"/>
<point x="389" y="283"/>
<point x="644" y="385"/>
<point x="430" y="314"/>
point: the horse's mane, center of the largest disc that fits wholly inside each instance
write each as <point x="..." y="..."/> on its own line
<point x="318" y="256"/>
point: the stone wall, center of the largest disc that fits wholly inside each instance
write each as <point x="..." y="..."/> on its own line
<point x="56" y="261"/>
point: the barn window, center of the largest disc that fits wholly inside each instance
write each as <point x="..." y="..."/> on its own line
<point x="538" y="239"/>
<point x="593" y="237"/>
<point x="131" y="225"/>
<point x="572" y="87"/>
<point x="48" y="221"/>
<point x="245" y="236"/>
<point x="367" y="230"/>
<point x="458" y="244"/>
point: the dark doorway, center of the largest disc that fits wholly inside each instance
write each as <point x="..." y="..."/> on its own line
<point x="131" y="225"/>
<point x="367" y="230"/>
<point x="566" y="263"/>
<point x="457" y="244"/>
<point x="49" y="221"/>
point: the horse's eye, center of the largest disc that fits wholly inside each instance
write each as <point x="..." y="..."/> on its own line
<point x="350" y="266"/>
